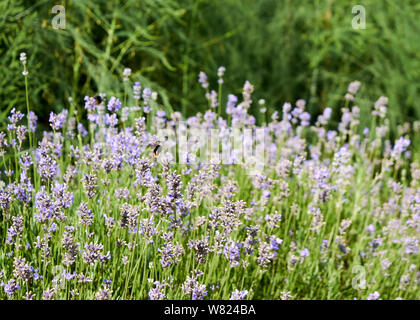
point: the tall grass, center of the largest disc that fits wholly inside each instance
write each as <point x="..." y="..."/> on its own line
<point x="288" y="49"/>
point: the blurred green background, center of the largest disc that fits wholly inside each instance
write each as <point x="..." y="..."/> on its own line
<point x="287" y="49"/>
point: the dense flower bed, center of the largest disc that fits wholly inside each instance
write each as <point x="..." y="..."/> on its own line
<point x="116" y="206"/>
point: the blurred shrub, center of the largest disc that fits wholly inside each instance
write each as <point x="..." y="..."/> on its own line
<point x="287" y="49"/>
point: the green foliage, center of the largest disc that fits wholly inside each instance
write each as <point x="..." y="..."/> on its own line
<point x="287" y="49"/>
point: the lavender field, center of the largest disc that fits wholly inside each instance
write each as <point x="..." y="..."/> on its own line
<point x="124" y="199"/>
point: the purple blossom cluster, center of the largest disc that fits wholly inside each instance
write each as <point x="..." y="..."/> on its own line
<point x="121" y="217"/>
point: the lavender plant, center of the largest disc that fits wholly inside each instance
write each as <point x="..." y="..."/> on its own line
<point x="92" y="210"/>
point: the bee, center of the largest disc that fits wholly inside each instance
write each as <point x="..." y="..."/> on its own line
<point x="98" y="99"/>
<point x="324" y="196"/>
<point x="157" y="150"/>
